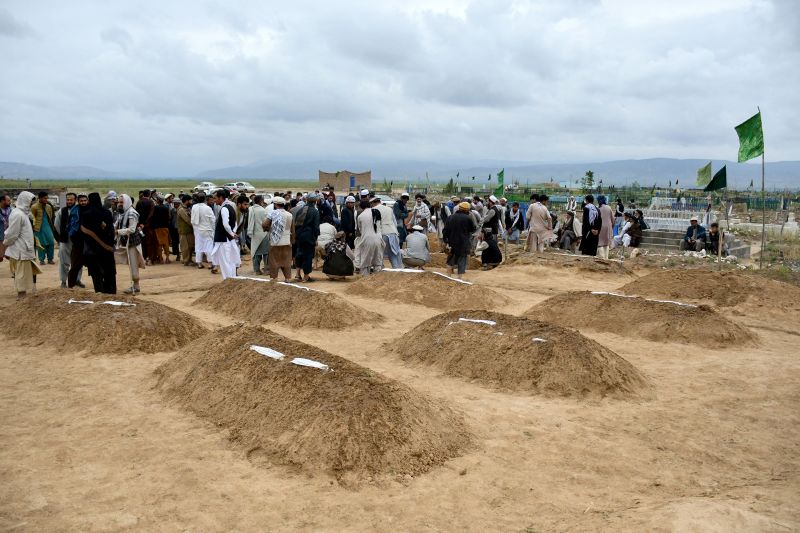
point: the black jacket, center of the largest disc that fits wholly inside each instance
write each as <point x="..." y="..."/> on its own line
<point x="458" y="232"/>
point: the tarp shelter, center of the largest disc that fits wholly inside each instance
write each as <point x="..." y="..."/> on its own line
<point x="345" y="180"/>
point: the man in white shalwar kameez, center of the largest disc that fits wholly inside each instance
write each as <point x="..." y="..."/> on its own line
<point x="259" y="239"/>
<point x="203" y="220"/>
<point x="225" y="252"/>
<point x="369" y="250"/>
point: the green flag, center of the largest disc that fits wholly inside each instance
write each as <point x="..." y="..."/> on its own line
<point x="500" y="179"/>
<point x="751" y="138"/>
<point x="720" y="181"/>
<point x="704" y="174"/>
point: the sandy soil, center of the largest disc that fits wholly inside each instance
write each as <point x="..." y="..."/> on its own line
<point x="87" y="443"/>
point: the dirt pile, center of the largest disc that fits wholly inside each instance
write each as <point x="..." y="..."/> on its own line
<point x="97" y="327"/>
<point x="349" y="422"/>
<point x="427" y="288"/>
<point x="642" y="318"/>
<point x="721" y="289"/>
<point x="439" y="260"/>
<point x="275" y="302"/>
<point x="519" y="354"/>
<point x="560" y="259"/>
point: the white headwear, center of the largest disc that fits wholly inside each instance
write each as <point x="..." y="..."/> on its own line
<point x="350" y="199"/>
<point x="126" y="202"/>
<point x="364" y="192"/>
<point x="493" y="198"/>
<point x="24" y="201"/>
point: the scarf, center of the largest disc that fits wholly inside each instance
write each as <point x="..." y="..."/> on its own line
<point x="276" y="230"/>
<point x="592" y="213"/>
<point x="515" y="219"/>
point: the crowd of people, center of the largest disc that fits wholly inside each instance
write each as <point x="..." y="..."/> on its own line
<point x="287" y="234"/>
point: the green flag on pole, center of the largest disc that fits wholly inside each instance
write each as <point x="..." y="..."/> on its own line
<point x="500" y="179"/>
<point x="704" y="175"/>
<point x="751" y="138"/>
<point x="720" y="180"/>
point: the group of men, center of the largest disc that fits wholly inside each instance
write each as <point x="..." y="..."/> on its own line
<point x="285" y="232"/>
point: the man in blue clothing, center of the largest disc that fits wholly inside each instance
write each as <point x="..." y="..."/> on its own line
<point x="695" y="238"/>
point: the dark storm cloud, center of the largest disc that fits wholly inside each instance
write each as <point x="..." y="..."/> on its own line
<point x="177" y="87"/>
<point x="11" y="27"/>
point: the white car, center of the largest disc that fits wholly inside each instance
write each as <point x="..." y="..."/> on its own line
<point x="244" y="186"/>
<point x="388" y="201"/>
<point x="205" y="186"/>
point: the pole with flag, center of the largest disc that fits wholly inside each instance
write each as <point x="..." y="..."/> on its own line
<point x="751" y="144"/>
<point x="719" y="181"/>
<point x="704" y="175"/>
<point x="500" y="180"/>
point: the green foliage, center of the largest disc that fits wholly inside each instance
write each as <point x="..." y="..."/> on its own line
<point x="587" y="181"/>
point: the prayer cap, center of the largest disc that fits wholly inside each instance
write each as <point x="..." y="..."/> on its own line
<point x="364" y="192"/>
<point x="464" y="206"/>
<point x="350" y="199"/>
<point x="417" y="228"/>
<point x="278" y="200"/>
<point x="493" y="198"/>
<point x="404" y="194"/>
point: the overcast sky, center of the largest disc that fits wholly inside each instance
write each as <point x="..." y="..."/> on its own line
<point x="176" y="87"/>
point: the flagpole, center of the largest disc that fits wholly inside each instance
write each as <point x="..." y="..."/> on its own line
<point x="763" y="206"/>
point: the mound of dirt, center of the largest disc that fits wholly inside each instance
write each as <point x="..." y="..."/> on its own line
<point x="721" y="289"/>
<point x="427" y="288"/>
<point x="581" y="263"/>
<point x="348" y="422"/>
<point x="636" y="317"/>
<point x="98" y="327"/>
<point x="519" y="354"/>
<point x="439" y="260"/>
<point x="276" y="302"/>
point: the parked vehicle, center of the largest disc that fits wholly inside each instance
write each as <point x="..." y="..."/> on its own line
<point x="388" y="201"/>
<point x="205" y="186"/>
<point x="244" y="186"/>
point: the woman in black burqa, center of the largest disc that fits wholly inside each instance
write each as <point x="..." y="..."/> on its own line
<point x="97" y="226"/>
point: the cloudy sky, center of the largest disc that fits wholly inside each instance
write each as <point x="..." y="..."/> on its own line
<point x="173" y="88"/>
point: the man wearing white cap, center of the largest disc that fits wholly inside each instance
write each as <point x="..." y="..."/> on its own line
<point x="416" y="254"/>
<point x="203" y="220"/>
<point x="390" y="235"/>
<point x="363" y="202"/>
<point x="695" y="238"/>
<point x="348" y="221"/>
<point x="369" y="247"/>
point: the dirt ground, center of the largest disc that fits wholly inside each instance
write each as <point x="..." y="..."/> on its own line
<point x="88" y="443"/>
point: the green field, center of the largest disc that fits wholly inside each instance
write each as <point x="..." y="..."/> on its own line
<point x="132" y="187"/>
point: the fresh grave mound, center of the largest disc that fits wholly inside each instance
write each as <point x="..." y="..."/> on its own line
<point x="349" y="421"/>
<point x="519" y="354"/>
<point x="277" y="302"/>
<point x="581" y="263"/>
<point x="139" y="326"/>
<point x="661" y="321"/>
<point x="439" y="260"/>
<point x="721" y="289"/>
<point x="426" y="288"/>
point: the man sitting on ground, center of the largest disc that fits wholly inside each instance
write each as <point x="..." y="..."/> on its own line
<point x="712" y="242"/>
<point x="695" y="238"/>
<point x="416" y="254"/>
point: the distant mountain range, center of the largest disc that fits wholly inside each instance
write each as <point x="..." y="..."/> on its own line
<point x="13" y="170"/>
<point x="659" y="171"/>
